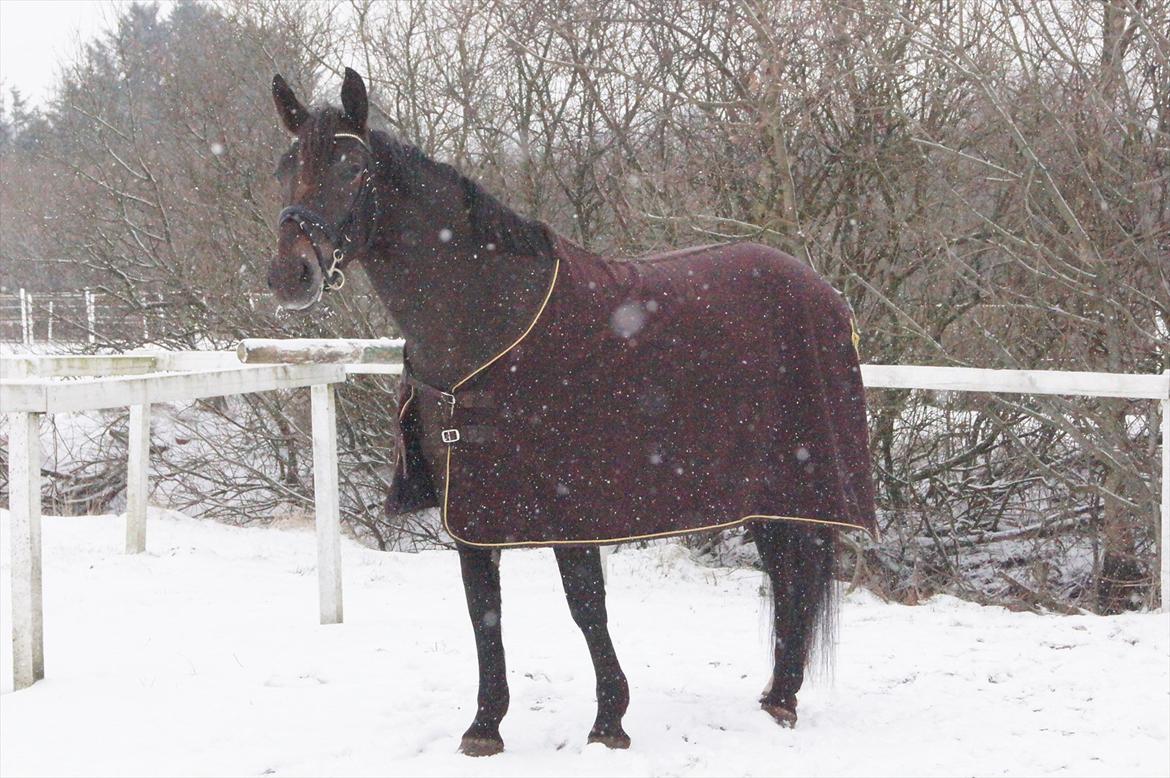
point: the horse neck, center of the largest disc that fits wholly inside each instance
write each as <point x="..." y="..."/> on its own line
<point x="458" y="303"/>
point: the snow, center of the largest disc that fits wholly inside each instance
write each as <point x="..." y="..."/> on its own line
<point x="628" y="319"/>
<point x="204" y="656"/>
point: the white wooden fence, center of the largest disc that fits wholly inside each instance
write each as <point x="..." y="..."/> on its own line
<point x="28" y="391"/>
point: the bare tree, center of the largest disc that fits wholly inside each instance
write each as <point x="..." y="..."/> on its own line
<point x="985" y="181"/>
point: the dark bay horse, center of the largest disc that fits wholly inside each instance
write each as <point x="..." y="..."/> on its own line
<point x="468" y="280"/>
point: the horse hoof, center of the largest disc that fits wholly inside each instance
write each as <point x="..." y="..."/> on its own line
<point x="618" y="740"/>
<point x="480" y="746"/>
<point x="783" y="716"/>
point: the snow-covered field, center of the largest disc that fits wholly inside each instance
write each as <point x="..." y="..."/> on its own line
<point x="203" y="657"/>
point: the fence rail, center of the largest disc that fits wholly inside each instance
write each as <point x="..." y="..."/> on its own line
<point x="29" y="390"/>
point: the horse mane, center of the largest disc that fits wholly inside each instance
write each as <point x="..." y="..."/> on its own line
<point x="496" y="223"/>
<point x="492" y="222"/>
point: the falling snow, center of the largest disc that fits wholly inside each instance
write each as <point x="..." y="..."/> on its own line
<point x="628" y="319"/>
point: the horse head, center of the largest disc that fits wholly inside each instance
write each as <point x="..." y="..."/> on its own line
<point x="326" y="180"/>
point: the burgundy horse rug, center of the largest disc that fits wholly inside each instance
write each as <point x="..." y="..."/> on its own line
<point x="687" y="391"/>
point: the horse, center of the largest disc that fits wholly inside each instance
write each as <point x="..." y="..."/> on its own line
<point x="553" y="397"/>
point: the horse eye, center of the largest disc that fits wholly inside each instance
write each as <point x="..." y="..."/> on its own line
<point x="350" y="169"/>
<point x="285" y="165"/>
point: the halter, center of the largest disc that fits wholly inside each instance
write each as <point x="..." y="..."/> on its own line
<point x="313" y="225"/>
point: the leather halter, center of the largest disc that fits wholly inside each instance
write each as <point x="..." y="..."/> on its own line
<point x="318" y="230"/>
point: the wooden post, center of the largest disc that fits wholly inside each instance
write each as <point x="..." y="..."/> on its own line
<point x="259" y="351"/>
<point x="137" y="481"/>
<point x="24" y="490"/>
<point x="327" y="502"/>
<point x="1164" y="547"/>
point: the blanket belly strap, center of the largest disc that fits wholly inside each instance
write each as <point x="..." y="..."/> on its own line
<point x="468" y="433"/>
<point x="467" y="398"/>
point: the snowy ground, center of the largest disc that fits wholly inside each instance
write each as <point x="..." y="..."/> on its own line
<point x="203" y="657"/>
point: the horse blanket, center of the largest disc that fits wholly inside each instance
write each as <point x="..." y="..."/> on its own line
<point x="687" y="391"/>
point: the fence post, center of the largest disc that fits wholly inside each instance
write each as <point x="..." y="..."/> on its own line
<point x="137" y="469"/>
<point x="24" y="490"/>
<point x="1164" y="546"/>
<point x="90" y="315"/>
<point x="327" y="502"/>
<point x="24" y="317"/>
<point x="49" y="334"/>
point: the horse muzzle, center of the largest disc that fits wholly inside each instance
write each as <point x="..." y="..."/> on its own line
<point x="295" y="276"/>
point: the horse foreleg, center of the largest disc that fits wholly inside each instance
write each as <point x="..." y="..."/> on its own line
<point x="481" y="583"/>
<point x="585" y="591"/>
<point x="799" y="564"/>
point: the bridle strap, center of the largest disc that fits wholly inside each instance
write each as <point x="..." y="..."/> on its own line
<point x="358" y="138"/>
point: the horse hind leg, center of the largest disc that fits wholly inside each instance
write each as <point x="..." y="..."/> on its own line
<point x="481" y="584"/>
<point x="798" y="559"/>
<point x="584" y="585"/>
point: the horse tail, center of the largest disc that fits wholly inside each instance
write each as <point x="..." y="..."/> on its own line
<point x="802" y="556"/>
<point x="825" y="597"/>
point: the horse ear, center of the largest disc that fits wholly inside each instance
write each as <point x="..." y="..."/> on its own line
<point x="292" y="113"/>
<point x="354" y="99"/>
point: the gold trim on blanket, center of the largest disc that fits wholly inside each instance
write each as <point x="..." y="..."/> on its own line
<point x="523" y="335"/>
<point x="607" y="541"/>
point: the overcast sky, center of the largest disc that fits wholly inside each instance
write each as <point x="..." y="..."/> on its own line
<point x="38" y="37"/>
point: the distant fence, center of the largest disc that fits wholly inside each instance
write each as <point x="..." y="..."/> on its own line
<point x="84" y="316"/>
<point x="76" y="317"/>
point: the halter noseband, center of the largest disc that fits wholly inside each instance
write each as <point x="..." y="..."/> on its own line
<point x="314" y="225"/>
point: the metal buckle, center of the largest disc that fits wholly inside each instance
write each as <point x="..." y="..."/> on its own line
<point x="450" y="436"/>
<point x="448" y="398"/>
<point x="335" y="281"/>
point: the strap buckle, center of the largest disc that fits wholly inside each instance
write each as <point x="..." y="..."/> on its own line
<point x="450" y="436"/>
